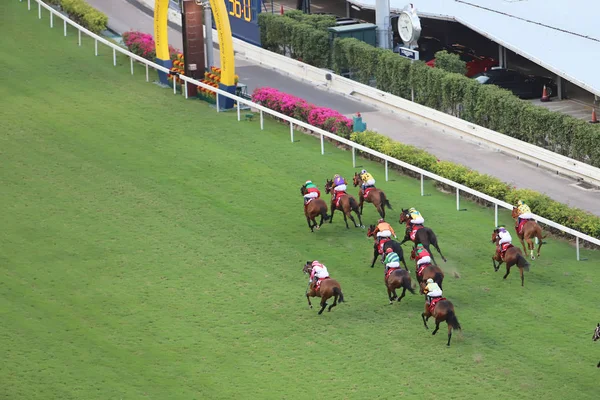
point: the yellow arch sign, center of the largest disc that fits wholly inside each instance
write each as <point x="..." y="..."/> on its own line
<point x="161" y="38"/>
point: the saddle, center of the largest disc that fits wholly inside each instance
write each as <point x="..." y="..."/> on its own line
<point x="367" y="191"/>
<point x="521" y="226"/>
<point x="503" y="248"/>
<point x="414" y="230"/>
<point x="338" y="196"/>
<point x="389" y="272"/>
<point x="420" y="269"/>
<point x="434" y="302"/>
<point x="381" y="243"/>
<point x="318" y="284"/>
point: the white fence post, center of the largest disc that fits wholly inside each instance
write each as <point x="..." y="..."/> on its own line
<point x="238" y="110"/>
<point x="114" y="57"/>
<point x="495" y="215"/>
<point x="131" y="64"/>
<point x="353" y="157"/>
<point x="577" y="246"/>
<point x="29" y="5"/>
<point x="422" y="191"/>
<point x="174" y="84"/>
<point x="79" y="36"/>
<point x="51" y="20"/>
<point x="39" y="11"/>
<point x="65" y="26"/>
<point x="96" y="46"/>
<point x="292" y="131"/>
<point x="386" y="170"/>
<point x="185" y="89"/>
<point x="217" y="97"/>
<point x="262" y="121"/>
<point x="457" y="199"/>
<point x="147" y="77"/>
<point x="322" y="145"/>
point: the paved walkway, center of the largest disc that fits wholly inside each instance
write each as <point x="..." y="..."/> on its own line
<point x="123" y="15"/>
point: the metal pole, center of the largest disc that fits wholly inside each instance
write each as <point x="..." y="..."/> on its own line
<point x="208" y="40"/>
<point x="577" y="246"/>
<point x="386" y="170"/>
<point x="422" y="191"/>
<point x="79" y="34"/>
<point x="39" y="11"/>
<point x="218" y="102"/>
<point x="29" y="5"/>
<point x="457" y="199"/>
<point x="262" y="122"/>
<point x="322" y="145"/>
<point x="495" y="215"/>
<point x="65" y="27"/>
<point x="238" y="110"/>
<point x="147" y="77"/>
<point x="186" y="89"/>
<point x="96" y="46"/>
<point x="292" y="131"/>
<point x="51" y="20"/>
<point x="131" y="64"/>
<point x="115" y="57"/>
<point x="354" y="157"/>
<point x="174" y="84"/>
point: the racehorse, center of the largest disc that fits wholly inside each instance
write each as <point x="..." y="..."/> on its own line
<point x="375" y="196"/>
<point x="389" y="243"/>
<point x="443" y="310"/>
<point x="347" y="204"/>
<point x="329" y="288"/>
<point x="512" y="256"/>
<point x="530" y="230"/>
<point x="398" y="278"/>
<point x="427" y="271"/>
<point x="313" y="209"/>
<point x="424" y="235"/>
<point x="594" y="338"/>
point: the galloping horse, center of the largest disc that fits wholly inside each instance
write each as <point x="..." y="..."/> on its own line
<point x="530" y="230"/>
<point x="313" y="209"/>
<point x="512" y="256"/>
<point x="347" y="204"/>
<point x="398" y="278"/>
<point x="596" y="337"/>
<point x="424" y="235"/>
<point x="390" y="243"/>
<point x="329" y="288"/>
<point x="443" y="311"/>
<point x="375" y="196"/>
<point x="426" y="271"/>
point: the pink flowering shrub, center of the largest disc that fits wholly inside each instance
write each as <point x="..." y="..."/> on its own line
<point x="321" y="117"/>
<point x="142" y="44"/>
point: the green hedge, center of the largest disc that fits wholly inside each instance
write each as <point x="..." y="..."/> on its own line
<point x="84" y="14"/>
<point x="298" y="35"/>
<point x="540" y="204"/>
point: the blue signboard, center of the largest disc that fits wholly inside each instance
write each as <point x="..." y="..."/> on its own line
<point x="243" y="17"/>
<point x="408" y="53"/>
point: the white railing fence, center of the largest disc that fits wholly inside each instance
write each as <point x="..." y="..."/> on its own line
<point x="296" y="123"/>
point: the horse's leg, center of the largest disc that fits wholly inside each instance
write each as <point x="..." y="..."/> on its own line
<point x="323" y="304"/>
<point x="530" y="246"/>
<point x="361" y="201"/>
<point x="449" y="334"/>
<point x="507" y="271"/>
<point x="320" y="223"/>
<point x="346" y="220"/>
<point x="523" y="244"/>
<point x="402" y="295"/>
<point x="522" y="277"/>
<point x="437" y="326"/>
<point x="332" y="211"/>
<point x="389" y="292"/>
<point x="494" y="263"/>
<point x="425" y="319"/>
<point x="539" y="237"/>
<point x="375" y="254"/>
<point x="335" y="299"/>
<point x="437" y="247"/>
<point x="349" y="214"/>
<point x="309" y="224"/>
<point x="308" y="298"/>
<point x="359" y="218"/>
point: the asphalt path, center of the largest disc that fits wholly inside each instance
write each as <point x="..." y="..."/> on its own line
<point x="127" y="15"/>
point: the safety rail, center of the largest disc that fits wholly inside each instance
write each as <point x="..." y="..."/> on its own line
<point x="294" y="122"/>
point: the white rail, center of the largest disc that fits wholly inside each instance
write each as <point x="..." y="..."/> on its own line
<point x="294" y="122"/>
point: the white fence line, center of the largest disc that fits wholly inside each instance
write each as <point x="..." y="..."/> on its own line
<point x="322" y="133"/>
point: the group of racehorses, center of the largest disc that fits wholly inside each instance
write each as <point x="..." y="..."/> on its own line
<point x="442" y="309"/>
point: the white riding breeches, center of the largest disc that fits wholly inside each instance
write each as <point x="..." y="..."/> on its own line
<point x="526" y="216"/>
<point x="424" y="260"/>
<point x="311" y="195"/>
<point x="435" y="293"/>
<point x="386" y="233"/>
<point x="370" y="182"/>
<point x="395" y="264"/>
<point x="418" y="220"/>
<point x="339" y="188"/>
<point x="505" y="239"/>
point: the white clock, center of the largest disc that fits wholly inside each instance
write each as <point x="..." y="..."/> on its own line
<point x="409" y="26"/>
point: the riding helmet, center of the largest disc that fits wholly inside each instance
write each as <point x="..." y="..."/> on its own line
<point x="364" y="171"/>
<point x="429" y="280"/>
<point x="380" y="220"/>
<point x="389" y="250"/>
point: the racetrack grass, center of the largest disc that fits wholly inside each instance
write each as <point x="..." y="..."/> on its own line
<point x="152" y="248"/>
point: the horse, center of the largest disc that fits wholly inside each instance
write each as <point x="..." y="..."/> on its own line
<point x="430" y="271"/>
<point x="329" y="288"/>
<point x="313" y="209"/>
<point x="375" y="196"/>
<point x="347" y="205"/>
<point x="513" y="256"/>
<point x="594" y="338"/>
<point x="398" y="278"/>
<point x="531" y="230"/>
<point x="390" y="243"/>
<point x="424" y="235"/>
<point x="443" y="311"/>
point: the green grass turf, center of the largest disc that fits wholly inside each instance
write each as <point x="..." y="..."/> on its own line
<point x="152" y="248"/>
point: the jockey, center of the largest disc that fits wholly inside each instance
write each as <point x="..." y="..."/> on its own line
<point x="367" y="179"/>
<point x="415" y="217"/>
<point x="504" y="237"/>
<point x="339" y="184"/>
<point x="319" y="271"/>
<point x="422" y="255"/>
<point x="384" y="230"/>
<point x="433" y="290"/>
<point x="312" y="192"/>
<point x="392" y="260"/>
<point x="524" y="211"/>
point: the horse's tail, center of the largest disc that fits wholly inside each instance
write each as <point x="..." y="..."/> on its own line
<point x="384" y="201"/>
<point x="354" y="205"/>
<point x="438" y="278"/>
<point x="406" y="285"/>
<point x="522" y="262"/>
<point x="452" y="320"/>
<point x="323" y="211"/>
<point x="337" y="291"/>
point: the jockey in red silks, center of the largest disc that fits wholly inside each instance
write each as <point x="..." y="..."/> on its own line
<point x="320" y="272"/>
<point x="422" y="255"/>
<point x="312" y="192"/>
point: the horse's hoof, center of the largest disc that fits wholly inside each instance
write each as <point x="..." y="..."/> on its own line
<point x="533" y="257"/>
<point x="310" y="307"/>
<point x="391" y="302"/>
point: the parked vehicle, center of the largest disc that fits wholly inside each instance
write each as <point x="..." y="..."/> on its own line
<point x="475" y="63"/>
<point x="522" y="85"/>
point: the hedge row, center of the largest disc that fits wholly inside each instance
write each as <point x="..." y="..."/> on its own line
<point x="486" y="105"/>
<point x="540" y="204"/>
<point x="82" y="13"/>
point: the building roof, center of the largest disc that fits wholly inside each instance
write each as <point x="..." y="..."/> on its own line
<point x="561" y="36"/>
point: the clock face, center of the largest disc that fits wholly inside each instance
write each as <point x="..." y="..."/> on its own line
<point x="405" y="28"/>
